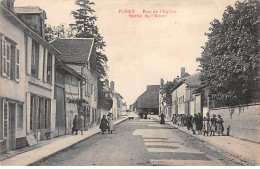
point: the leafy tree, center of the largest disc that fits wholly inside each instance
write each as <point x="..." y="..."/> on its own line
<point x="54" y="32"/>
<point x="230" y="58"/>
<point x="85" y="27"/>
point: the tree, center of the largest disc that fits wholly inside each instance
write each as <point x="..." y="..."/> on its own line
<point x="230" y="58"/>
<point x="54" y="32"/>
<point x="85" y="27"/>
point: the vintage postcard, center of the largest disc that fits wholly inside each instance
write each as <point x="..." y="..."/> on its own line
<point x="129" y="83"/>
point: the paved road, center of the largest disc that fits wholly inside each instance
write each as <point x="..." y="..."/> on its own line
<point x="140" y="142"/>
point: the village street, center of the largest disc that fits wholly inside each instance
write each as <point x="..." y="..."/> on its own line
<point x="140" y="142"/>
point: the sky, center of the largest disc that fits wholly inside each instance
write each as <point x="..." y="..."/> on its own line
<point x="143" y="50"/>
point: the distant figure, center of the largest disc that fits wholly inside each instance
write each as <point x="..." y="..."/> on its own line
<point x="75" y="124"/>
<point x="213" y="127"/>
<point x="162" y="119"/>
<point x="189" y="121"/>
<point x="220" y="126"/>
<point x="110" y="125"/>
<point x="145" y="115"/>
<point x="103" y="125"/>
<point x="80" y="121"/>
<point x="194" y="123"/>
<point x="200" y="123"/>
<point x="206" y="124"/>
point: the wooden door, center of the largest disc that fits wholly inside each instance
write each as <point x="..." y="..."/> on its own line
<point x="60" y="126"/>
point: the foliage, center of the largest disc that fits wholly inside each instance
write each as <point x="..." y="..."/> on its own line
<point x="85" y="27"/>
<point x="167" y="93"/>
<point x="230" y="57"/>
<point x="54" y="32"/>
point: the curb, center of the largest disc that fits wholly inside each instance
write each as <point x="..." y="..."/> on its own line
<point x="244" y="161"/>
<point x="64" y="149"/>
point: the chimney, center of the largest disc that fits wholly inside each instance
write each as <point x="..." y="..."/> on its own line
<point x="9" y="4"/>
<point x="107" y="83"/>
<point x="34" y="16"/>
<point x="112" y="86"/>
<point x="162" y="83"/>
<point x="182" y="71"/>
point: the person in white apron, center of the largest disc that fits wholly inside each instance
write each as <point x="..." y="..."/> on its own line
<point x="110" y="125"/>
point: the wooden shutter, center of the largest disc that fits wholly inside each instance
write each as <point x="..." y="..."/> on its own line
<point x="5" y="119"/>
<point x="17" y="65"/>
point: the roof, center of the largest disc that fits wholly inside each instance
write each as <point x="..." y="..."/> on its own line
<point x="192" y="81"/>
<point x="30" y="10"/>
<point x="60" y="64"/>
<point x="12" y="17"/>
<point x="150" y="98"/>
<point x="118" y="94"/>
<point x="76" y="50"/>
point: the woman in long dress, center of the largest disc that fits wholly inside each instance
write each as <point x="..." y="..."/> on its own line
<point x="162" y="119"/>
<point x="206" y="124"/>
<point x="213" y="127"/>
<point x="220" y="126"/>
<point x="194" y="123"/>
<point x="110" y="125"/>
<point x="103" y="125"/>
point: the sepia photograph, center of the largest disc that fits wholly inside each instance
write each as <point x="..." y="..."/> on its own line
<point x="137" y="83"/>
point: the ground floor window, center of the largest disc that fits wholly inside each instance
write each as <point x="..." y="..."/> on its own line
<point x="11" y="117"/>
<point x="40" y="111"/>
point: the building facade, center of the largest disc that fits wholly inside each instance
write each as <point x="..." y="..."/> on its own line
<point x="79" y="54"/>
<point x="27" y="68"/>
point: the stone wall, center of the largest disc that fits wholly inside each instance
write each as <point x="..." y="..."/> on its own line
<point x="244" y="121"/>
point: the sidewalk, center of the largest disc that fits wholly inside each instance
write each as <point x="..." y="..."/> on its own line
<point x="234" y="147"/>
<point x="50" y="147"/>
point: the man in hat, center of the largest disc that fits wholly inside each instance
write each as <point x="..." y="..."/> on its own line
<point x="220" y="127"/>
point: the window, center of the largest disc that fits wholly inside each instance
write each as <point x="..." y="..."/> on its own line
<point x="35" y="59"/>
<point x="49" y="68"/>
<point x="13" y="63"/>
<point x="46" y="117"/>
<point x="20" y="116"/>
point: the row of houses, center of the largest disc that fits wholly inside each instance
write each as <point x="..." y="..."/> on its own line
<point x="183" y="95"/>
<point x="44" y="85"/>
<point x="187" y="95"/>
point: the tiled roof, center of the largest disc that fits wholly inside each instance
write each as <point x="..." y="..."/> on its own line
<point x="74" y="50"/>
<point x="150" y="98"/>
<point x="193" y="80"/>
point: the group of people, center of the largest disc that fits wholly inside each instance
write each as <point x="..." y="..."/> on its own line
<point x="207" y="125"/>
<point x="143" y="115"/>
<point x="77" y="125"/>
<point x="107" y="124"/>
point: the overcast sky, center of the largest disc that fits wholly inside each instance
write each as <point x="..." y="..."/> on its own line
<point x="141" y="51"/>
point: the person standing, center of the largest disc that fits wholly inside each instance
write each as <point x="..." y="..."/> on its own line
<point x="220" y="126"/>
<point x="206" y="125"/>
<point x="103" y="125"/>
<point x="200" y="123"/>
<point x="213" y="127"/>
<point x="194" y="123"/>
<point x="162" y="119"/>
<point x="189" y="123"/>
<point x="75" y="125"/>
<point x="110" y="125"/>
<point x="80" y="121"/>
